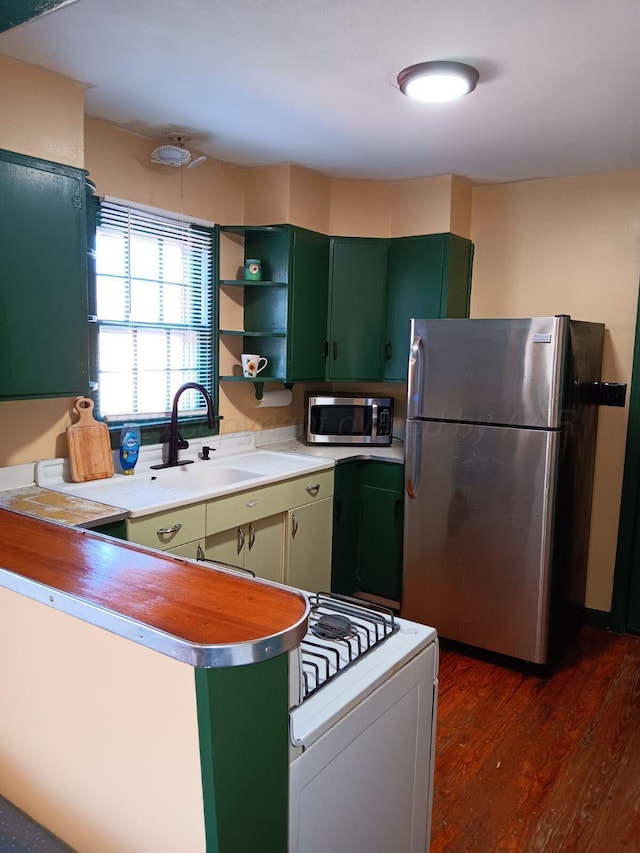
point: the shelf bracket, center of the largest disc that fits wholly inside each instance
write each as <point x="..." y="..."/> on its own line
<point x="258" y="389"/>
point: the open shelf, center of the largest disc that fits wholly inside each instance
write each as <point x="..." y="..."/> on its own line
<point x="241" y="334"/>
<point x="241" y="282"/>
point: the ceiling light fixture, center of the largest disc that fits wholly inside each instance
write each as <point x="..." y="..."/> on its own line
<point x="176" y="154"/>
<point x="438" y="81"/>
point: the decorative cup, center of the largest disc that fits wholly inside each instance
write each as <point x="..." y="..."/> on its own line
<point x="252" y="270"/>
<point x="252" y="365"/>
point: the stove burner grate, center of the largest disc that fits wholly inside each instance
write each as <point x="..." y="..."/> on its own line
<point x="341" y="631"/>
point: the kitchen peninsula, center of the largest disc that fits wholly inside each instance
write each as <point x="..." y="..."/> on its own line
<point x="144" y="697"/>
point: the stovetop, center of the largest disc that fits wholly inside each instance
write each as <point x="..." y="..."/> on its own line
<point x="330" y="675"/>
<point x="341" y="631"/>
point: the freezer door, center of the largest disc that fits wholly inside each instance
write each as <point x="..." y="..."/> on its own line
<point x="488" y="371"/>
<point x="477" y="539"/>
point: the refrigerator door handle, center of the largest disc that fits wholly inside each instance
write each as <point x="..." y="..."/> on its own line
<point x="412" y="459"/>
<point x="415" y="378"/>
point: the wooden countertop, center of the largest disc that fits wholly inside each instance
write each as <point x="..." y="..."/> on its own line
<point x="204" y="617"/>
<point x="45" y="503"/>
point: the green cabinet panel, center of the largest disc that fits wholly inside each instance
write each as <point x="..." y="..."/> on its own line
<point x="357" y="294"/>
<point x="346" y="511"/>
<point x="285" y="313"/>
<point x="429" y="277"/>
<point x="43" y="298"/>
<point x="381" y="514"/>
<point x="367" y="529"/>
<point x="117" y="529"/>
<point x="243" y="724"/>
<point x="308" y="304"/>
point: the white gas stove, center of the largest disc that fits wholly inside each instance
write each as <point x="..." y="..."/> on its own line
<point x="363" y="695"/>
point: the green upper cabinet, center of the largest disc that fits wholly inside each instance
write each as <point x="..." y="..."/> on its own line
<point x="357" y="297"/>
<point x="308" y="305"/>
<point x="284" y="313"/>
<point x="429" y="277"/>
<point x="43" y="297"/>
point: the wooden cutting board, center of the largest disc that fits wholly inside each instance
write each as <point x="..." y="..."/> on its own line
<point x="89" y="445"/>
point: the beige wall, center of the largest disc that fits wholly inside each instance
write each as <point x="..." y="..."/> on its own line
<point x="42" y="115"/>
<point x="99" y="736"/>
<point x="570" y="246"/>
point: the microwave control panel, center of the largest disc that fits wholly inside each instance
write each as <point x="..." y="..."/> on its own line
<point x="385" y="420"/>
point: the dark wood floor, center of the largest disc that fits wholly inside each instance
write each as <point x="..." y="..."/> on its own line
<point x="531" y="764"/>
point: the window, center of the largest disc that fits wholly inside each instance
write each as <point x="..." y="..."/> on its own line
<point x="154" y="310"/>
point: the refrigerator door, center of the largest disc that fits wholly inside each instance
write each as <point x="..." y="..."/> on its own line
<point x="488" y="371"/>
<point x="477" y="544"/>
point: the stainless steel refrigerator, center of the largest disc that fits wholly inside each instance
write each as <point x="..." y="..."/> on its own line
<point x="500" y="445"/>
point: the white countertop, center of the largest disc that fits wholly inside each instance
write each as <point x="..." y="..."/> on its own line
<point x="337" y="453"/>
<point x="238" y="462"/>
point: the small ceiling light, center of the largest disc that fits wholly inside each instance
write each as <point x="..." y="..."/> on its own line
<point x="438" y="81"/>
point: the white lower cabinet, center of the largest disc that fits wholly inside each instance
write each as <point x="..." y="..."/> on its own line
<point x="257" y="547"/>
<point x="308" y="552"/>
<point x="168" y="530"/>
<point x="254" y="530"/>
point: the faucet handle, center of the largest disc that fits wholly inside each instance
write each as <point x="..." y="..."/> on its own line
<point x="182" y="443"/>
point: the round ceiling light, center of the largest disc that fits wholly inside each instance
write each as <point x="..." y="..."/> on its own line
<point x="438" y="81"/>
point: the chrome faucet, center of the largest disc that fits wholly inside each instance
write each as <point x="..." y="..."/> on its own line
<point x="176" y="441"/>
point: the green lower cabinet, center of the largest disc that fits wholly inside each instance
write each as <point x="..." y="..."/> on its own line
<point x="243" y="724"/>
<point x="381" y="542"/>
<point x="117" y="529"/>
<point x="346" y="515"/>
<point x="367" y="531"/>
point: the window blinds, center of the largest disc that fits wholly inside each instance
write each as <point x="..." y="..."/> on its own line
<point x="154" y="309"/>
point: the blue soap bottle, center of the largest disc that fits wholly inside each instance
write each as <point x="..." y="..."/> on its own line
<point x="129" y="447"/>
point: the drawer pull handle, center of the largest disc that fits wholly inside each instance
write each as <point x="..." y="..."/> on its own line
<point x="165" y="531"/>
<point x="252" y="503"/>
<point x="313" y="490"/>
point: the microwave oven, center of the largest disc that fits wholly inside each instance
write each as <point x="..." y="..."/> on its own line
<point x="342" y="419"/>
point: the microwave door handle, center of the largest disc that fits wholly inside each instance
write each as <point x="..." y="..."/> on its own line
<point x="415" y="379"/>
<point x="374" y="420"/>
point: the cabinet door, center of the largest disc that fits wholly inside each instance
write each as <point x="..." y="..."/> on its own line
<point x="226" y="546"/>
<point x="381" y="542"/>
<point x="256" y="546"/>
<point x="43" y="245"/>
<point x="308" y="559"/>
<point x="346" y="521"/>
<point x="381" y="529"/>
<point x="429" y="277"/>
<point x="308" y="304"/>
<point x="264" y="547"/>
<point x="188" y="550"/>
<point x="358" y="278"/>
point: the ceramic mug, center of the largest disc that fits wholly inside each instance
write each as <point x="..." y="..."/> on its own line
<point x="252" y="269"/>
<point x="252" y="365"/>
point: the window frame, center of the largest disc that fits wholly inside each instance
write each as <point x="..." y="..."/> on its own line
<point x="154" y="430"/>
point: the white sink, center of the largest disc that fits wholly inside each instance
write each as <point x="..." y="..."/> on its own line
<point x="201" y="477"/>
<point x="234" y="465"/>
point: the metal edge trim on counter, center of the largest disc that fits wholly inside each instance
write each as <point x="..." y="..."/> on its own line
<point x="194" y="654"/>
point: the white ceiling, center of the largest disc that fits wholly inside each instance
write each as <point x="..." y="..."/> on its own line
<point x="313" y="82"/>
